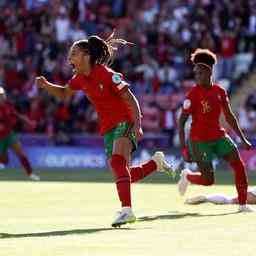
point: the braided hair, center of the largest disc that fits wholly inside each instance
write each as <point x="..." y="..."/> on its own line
<point x="101" y="51"/>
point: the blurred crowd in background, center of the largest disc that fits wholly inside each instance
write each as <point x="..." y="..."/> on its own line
<point x="35" y="36"/>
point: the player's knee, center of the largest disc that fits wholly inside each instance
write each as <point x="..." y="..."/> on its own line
<point x="119" y="166"/>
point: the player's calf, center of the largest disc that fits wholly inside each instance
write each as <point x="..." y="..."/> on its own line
<point x="240" y="180"/>
<point x="201" y="178"/>
<point x="122" y="179"/>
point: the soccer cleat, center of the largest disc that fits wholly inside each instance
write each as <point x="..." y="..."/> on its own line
<point x="162" y="164"/>
<point x="196" y="199"/>
<point x="246" y="208"/>
<point x="34" y="177"/>
<point x="183" y="182"/>
<point x="124" y="217"/>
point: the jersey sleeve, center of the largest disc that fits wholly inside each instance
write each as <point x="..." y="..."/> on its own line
<point x="187" y="107"/>
<point x="115" y="80"/>
<point x="74" y="83"/>
<point x="223" y="96"/>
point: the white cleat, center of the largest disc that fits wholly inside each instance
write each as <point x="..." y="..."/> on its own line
<point x="162" y="164"/>
<point x="246" y="208"/>
<point x="124" y="217"/>
<point x="34" y="177"/>
<point x="196" y="199"/>
<point x="183" y="182"/>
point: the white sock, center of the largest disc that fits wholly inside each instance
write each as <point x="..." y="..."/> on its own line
<point x="126" y="209"/>
<point x="219" y="199"/>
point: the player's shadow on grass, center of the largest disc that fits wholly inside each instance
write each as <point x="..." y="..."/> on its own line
<point x="61" y="232"/>
<point x="180" y="215"/>
<point x="172" y="215"/>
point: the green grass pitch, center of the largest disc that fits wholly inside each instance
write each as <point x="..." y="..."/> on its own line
<point x="69" y="214"/>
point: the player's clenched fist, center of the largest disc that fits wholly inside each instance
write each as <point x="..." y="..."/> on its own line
<point x="41" y="81"/>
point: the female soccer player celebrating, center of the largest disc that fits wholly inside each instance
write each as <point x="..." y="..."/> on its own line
<point x="204" y="103"/>
<point x="118" y="111"/>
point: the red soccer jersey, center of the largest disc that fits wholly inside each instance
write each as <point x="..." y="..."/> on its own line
<point x="7" y="119"/>
<point x="103" y="87"/>
<point x="205" y="106"/>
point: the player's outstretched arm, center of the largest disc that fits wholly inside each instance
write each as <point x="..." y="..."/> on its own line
<point x="131" y="100"/>
<point x="232" y="121"/>
<point x="61" y="92"/>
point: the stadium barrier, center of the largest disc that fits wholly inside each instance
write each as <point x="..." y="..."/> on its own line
<point x="63" y="157"/>
<point x="94" y="158"/>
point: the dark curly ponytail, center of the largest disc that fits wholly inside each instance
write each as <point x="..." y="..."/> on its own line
<point x="101" y="51"/>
